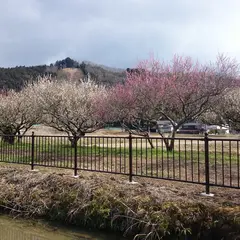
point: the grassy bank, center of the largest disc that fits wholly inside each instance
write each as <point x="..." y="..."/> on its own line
<point x="151" y="208"/>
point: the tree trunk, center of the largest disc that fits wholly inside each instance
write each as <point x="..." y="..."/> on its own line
<point x="19" y="136"/>
<point x="150" y="142"/>
<point x="74" y="140"/>
<point x="8" y="135"/>
<point x="170" y="145"/>
<point x="169" y="141"/>
<point x="8" y="139"/>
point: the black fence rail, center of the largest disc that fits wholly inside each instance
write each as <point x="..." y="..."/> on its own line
<point x="204" y="160"/>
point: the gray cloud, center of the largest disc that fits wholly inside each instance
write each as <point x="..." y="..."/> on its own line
<point x="116" y="32"/>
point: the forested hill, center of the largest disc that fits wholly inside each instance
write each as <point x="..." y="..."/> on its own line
<point x="17" y="77"/>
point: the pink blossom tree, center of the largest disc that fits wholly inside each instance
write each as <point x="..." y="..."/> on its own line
<point x="179" y="91"/>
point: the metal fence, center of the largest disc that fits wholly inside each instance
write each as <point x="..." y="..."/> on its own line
<point x="204" y="160"/>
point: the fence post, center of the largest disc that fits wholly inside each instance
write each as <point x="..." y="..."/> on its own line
<point x="207" y="177"/>
<point x="130" y="157"/>
<point x="75" y="156"/>
<point x="32" y="152"/>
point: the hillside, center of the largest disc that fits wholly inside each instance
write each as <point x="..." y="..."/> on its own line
<point x="17" y="77"/>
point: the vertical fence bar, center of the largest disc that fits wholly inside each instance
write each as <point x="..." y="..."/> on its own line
<point x="156" y="157"/>
<point x="238" y="169"/>
<point x="215" y="160"/>
<point x="230" y="161"/>
<point x="223" y="172"/>
<point x="130" y="157"/>
<point x="185" y="158"/>
<point x="125" y="164"/>
<point x="141" y="169"/>
<point x="75" y="156"/>
<point x="179" y="159"/>
<point x="32" y="152"/>
<point x="192" y="164"/>
<point x="91" y="153"/>
<point x="173" y="158"/>
<point x="112" y="154"/>
<point x="108" y="153"/>
<point x="206" y="146"/>
<point x="121" y="163"/>
<point x="198" y="159"/>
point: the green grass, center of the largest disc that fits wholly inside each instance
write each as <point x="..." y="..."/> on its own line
<point x="22" y="150"/>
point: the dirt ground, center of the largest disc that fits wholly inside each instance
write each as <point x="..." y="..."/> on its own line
<point x="49" y="131"/>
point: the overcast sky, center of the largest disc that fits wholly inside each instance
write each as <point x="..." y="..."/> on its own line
<point x="116" y="33"/>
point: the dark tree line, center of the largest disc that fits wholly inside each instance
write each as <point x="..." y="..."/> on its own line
<point x="17" y="77"/>
<point x="66" y="63"/>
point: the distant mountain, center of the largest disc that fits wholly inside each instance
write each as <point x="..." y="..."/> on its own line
<point x="111" y="69"/>
<point x="103" y="74"/>
<point x="17" y="77"/>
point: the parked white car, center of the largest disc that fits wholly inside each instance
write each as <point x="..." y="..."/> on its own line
<point x="164" y="126"/>
<point x="216" y="129"/>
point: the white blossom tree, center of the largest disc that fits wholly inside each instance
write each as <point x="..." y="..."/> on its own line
<point x="212" y="117"/>
<point x="228" y="109"/>
<point x="18" y="112"/>
<point x="231" y="108"/>
<point x="71" y="106"/>
<point x="225" y="111"/>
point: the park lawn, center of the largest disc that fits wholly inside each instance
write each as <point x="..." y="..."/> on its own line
<point x="195" y="153"/>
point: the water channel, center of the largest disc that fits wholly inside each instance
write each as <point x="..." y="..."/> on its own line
<point x="18" y="229"/>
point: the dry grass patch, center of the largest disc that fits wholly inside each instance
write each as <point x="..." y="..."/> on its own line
<point x="153" y="208"/>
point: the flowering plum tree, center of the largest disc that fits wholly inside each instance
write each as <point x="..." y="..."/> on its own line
<point x="71" y="106"/>
<point x="19" y="111"/>
<point x="227" y="110"/>
<point x="214" y="116"/>
<point x="231" y="108"/>
<point x="178" y="91"/>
